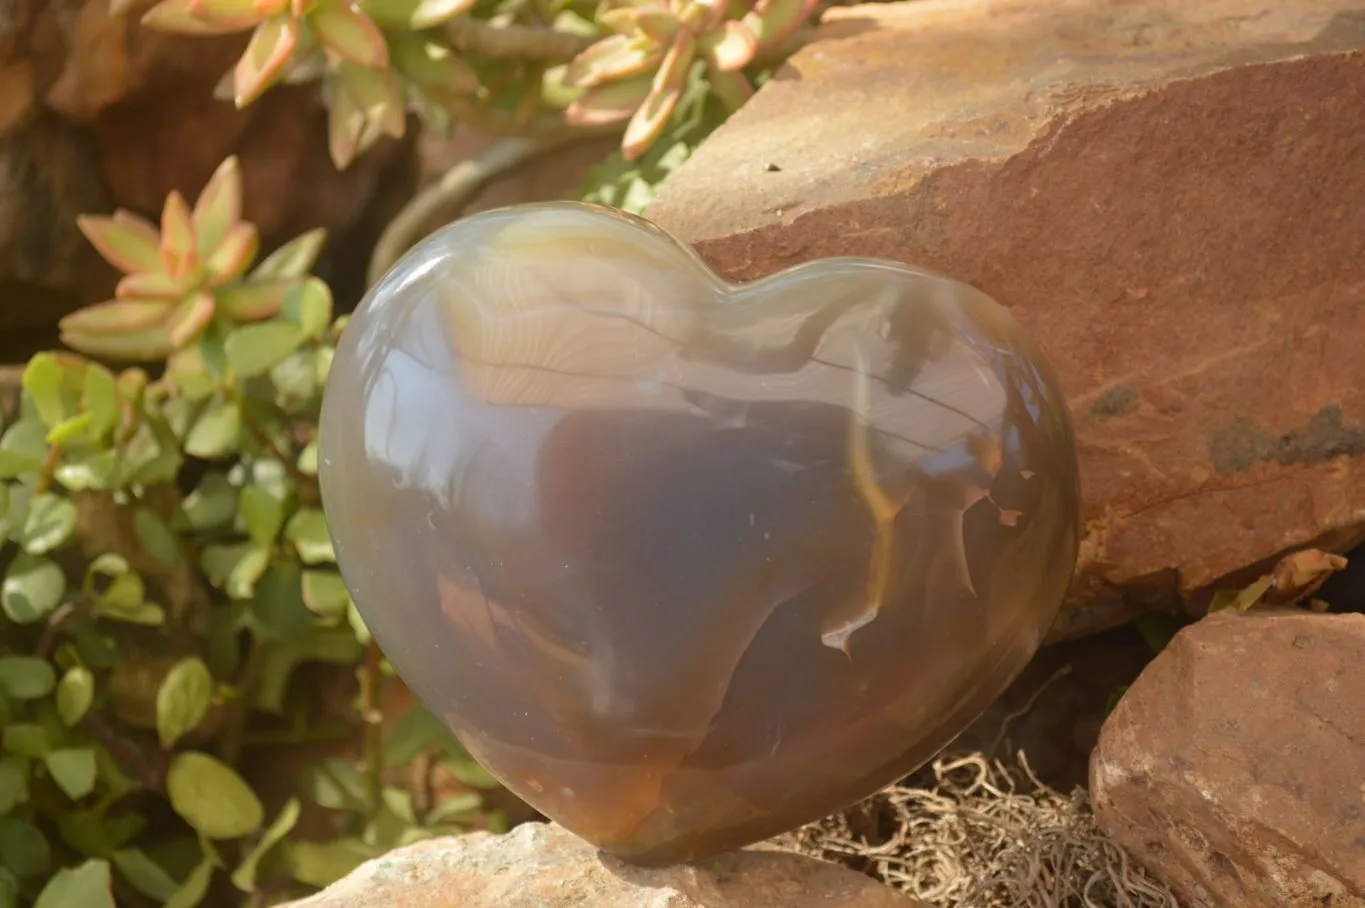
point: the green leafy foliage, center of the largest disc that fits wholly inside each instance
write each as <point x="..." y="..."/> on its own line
<point x="172" y="618"/>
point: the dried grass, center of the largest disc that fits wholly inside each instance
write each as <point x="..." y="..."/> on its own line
<point x="981" y="834"/>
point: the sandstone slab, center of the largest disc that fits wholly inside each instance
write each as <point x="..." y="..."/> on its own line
<point x="1168" y="195"/>
<point x="539" y="865"/>
<point x="1232" y="767"/>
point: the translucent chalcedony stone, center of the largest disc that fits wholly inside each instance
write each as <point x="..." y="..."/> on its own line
<point x="684" y="563"/>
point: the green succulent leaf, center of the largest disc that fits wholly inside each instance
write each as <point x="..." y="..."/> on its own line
<point x="325" y="593"/>
<point x="350" y="34"/>
<point x="432" y="66"/>
<point x="14" y="778"/>
<point x="182" y="700"/>
<point x="195" y="887"/>
<point x="210" y="796"/>
<point x="309" y="306"/>
<point x="292" y="260"/>
<point x="75" y="694"/>
<point x="22" y="448"/>
<point x="774" y="21"/>
<point x="323" y="863"/>
<point x="26" y="677"/>
<point x="177" y="17"/>
<point x="125" y="240"/>
<point x="100" y="394"/>
<point x="86" y="886"/>
<point x="414" y="15"/>
<point x="236" y="568"/>
<point x="32" y="588"/>
<point x="24" y="851"/>
<point x="217" y="432"/>
<point x="308" y="459"/>
<point x="155" y="537"/>
<point x="612" y="59"/>
<point x="25" y="739"/>
<point x="218" y="209"/>
<point x="244" y="877"/>
<point x="189" y="319"/>
<point x="307" y="530"/>
<point x="261" y="298"/>
<point x="117" y="317"/>
<point x="145" y="875"/>
<point x="253" y="349"/>
<point x="73" y="769"/>
<point x="233" y="256"/>
<point x="50" y="524"/>
<point x="212" y="504"/>
<point x="45" y="382"/>
<point x="461" y="808"/>
<point x="262" y="514"/>
<point x="261" y="65"/>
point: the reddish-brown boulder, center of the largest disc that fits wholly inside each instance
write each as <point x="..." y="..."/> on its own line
<point x="1232" y="767"/>
<point x="1170" y="197"/>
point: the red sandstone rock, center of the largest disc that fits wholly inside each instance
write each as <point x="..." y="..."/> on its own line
<point x="542" y="866"/>
<point x="1171" y="198"/>
<point x="1232" y="767"/>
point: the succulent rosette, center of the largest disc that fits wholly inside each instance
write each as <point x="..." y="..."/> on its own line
<point x="637" y="74"/>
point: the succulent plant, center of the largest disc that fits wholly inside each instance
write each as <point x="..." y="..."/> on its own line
<point x="375" y="58"/>
<point x="638" y="73"/>
<point x="179" y="280"/>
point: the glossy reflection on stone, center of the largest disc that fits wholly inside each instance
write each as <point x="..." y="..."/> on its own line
<point x="684" y="563"/>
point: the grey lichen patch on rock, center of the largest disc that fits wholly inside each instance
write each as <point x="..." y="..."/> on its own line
<point x="1240" y="446"/>
<point x="1115" y="401"/>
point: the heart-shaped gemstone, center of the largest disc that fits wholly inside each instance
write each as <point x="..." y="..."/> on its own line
<point x="686" y="564"/>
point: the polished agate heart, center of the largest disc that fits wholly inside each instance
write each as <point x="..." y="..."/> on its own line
<point x="686" y="564"/>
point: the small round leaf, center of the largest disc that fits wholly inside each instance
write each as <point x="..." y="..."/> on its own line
<point x="182" y="699"/>
<point x="26" y="677"/>
<point x="51" y="521"/>
<point x="75" y="693"/>
<point x="31" y="589"/>
<point x="253" y="349"/>
<point x="14" y="774"/>
<point x="212" y="798"/>
<point x="23" y="850"/>
<point x="73" y="769"/>
<point x="86" y="886"/>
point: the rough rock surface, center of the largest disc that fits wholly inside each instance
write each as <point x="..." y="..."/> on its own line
<point x="98" y="112"/>
<point x="539" y="865"/>
<point x="1169" y="196"/>
<point x="1232" y="767"/>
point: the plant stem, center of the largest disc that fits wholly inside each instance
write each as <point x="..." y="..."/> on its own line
<point x="373" y="718"/>
<point x="458" y="186"/>
<point x="234" y="728"/>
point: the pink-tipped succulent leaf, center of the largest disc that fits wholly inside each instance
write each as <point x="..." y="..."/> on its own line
<point x="611" y="59"/>
<point x="774" y="21"/>
<point x="263" y="62"/>
<point x="649" y="121"/>
<point x="348" y="34"/>
<point x="613" y="102"/>
<point x="126" y="241"/>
